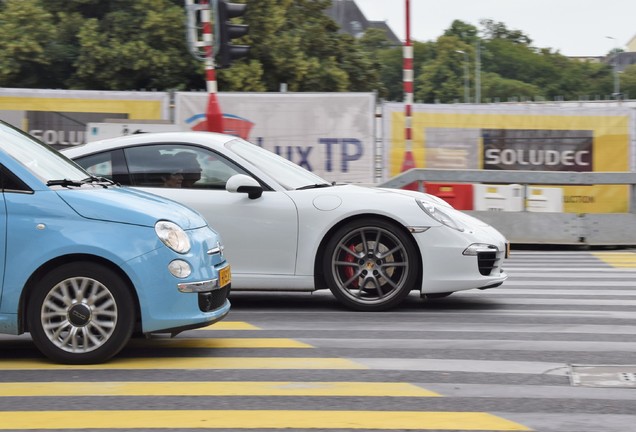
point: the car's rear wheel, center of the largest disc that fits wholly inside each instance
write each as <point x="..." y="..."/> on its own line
<point x="370" y="265"/>
<point x="80" y="313"/>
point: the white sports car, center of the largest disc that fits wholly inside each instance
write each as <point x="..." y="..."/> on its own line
<point x="286" y="229"/>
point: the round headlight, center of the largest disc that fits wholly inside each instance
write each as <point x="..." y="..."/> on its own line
<point x="173" y="236"/>
<point x="180" y="269"/>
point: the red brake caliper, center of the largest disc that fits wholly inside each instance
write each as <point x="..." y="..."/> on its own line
<point x="349" y="271"/>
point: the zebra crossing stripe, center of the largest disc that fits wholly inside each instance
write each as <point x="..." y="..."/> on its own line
<point x="213" y="388"/>
<point x="218" y="343"/>
<point x="229" y="419"/>
<point x="256" y="419"/>
<point x="617" y="259"/>
<point x="229" y="325"/>
<point x="165" y="363"/>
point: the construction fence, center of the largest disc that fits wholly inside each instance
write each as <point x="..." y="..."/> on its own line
<point x="352" y="137"/>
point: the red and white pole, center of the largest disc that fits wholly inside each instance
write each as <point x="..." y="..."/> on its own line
<point x="407" y="77"/>
<point x="213" y="114"/>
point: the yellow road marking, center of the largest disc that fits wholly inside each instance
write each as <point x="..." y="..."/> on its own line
<point x="617" y="259"/>
<point x="230" y="325"/>
<point x="191" y="363"/>
<point x="212" y="388"/>
<point x="257" y="419"/>
<point x="218" y="343"/>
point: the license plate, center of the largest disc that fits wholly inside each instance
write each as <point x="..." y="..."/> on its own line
<point x="225" y="276"/>
<point x="507" y="249"/>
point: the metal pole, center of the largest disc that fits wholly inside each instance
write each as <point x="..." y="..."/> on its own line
<point x="478" y="72"/>
<point x="213" y="115"/>
<point x="617" y="84"/>
<point x="466" y="83"/>
<point x="407" y="77"/>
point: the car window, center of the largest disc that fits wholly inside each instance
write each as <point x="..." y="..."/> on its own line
<point x="9" y="182"/>
<point x="40" y="159"/>
<point x="108" y="164"/>
<point x="179" y="166"/>
<point x="285" y="172"/>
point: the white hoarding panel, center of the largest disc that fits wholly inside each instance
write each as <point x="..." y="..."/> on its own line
<point x="98" y="131"/>
<point x="544" y="199"/>
<point x="330" y="134"/>
<point x="498" y="197"/>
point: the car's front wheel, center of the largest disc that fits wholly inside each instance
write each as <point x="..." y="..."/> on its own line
<point x="370" y="265"/>
<point x="80" y="313"/>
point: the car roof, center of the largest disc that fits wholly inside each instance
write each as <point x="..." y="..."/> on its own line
<point x="209" y="139"/>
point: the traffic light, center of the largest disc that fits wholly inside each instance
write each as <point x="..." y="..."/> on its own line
<point x="225" y="31"/>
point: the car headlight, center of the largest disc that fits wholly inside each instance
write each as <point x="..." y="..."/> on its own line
<point x="439" y="214"/>
<point x="173" y="236"/>
<point x="179" y="268"/>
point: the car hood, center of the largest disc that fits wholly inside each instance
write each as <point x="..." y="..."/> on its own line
<point x="465" y="218"/>
<point x="373" y="190"/>
<point x="418" y="195"/>
<point x="129" y="206"/>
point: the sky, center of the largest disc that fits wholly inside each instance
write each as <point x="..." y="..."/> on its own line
<point x="572" y="27"/>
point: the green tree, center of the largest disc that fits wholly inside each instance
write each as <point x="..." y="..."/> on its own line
<point x="497" y="30"/>
<point x="386" y="59"/>
<point x="628" y="82"/>
<point x="391" y="61"/>
<point x="441" y="79"/>
<point x="26" y="31"/>
<point x="294" y="43"/>
<point x="126" y="45"/>
<point x="495" y="87"/>
<point x="136" y="45"/>
<point x="465" y="32"/>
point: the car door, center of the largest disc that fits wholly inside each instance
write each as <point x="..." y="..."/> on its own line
<point x="259" y="235"/>
<point x="3" y="232"/>
<point x="10" y="185"/>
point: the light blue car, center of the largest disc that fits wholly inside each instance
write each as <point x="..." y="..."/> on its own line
<point x="84" y="263"/>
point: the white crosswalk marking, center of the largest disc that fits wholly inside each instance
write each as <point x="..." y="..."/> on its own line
<point x="492" y="360"/>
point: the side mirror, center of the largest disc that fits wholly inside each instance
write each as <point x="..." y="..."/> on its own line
<point x="244" y="184"/>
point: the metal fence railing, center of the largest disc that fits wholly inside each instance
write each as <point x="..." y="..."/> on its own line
<point x="526" y="227"/>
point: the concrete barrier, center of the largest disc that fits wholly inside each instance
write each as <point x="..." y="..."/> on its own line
<point x="539" y="227"/>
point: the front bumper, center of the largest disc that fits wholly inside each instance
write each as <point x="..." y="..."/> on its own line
<point x="446" y="268"/>
<point x="168" y="303"/>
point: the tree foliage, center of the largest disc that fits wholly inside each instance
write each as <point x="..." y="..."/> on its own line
<point x="26" y="31"/>
<point x="294" y="43"/>
<point x="132" y="45"/>
<point x="628" y="81"/>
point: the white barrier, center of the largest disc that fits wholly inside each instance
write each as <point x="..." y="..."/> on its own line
<point x="544" y="199"/>
<point x="498" y="197"/>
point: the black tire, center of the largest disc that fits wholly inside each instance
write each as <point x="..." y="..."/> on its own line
<point x="370" y="265"/>
<point x="80" y="313"/>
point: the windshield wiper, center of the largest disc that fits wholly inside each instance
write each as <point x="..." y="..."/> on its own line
<point x="64" y="182"/>
<point x="101" y="181"/>
<point x="315" y="186"/>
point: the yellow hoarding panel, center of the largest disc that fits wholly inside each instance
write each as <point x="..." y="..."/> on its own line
<point x="463" y="140"/>
<point x="136" y="109"/>
<point x="594" y="199"/>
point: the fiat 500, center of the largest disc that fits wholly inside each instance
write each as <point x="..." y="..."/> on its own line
<point x="84" y="263"/>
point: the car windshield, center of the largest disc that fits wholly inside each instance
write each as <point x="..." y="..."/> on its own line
<point x="286" y="173"/>
<point x="42" y="160"/>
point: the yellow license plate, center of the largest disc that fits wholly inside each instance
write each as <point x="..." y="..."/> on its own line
<point x="507" y="250"/>
<point x="225" y="276"/>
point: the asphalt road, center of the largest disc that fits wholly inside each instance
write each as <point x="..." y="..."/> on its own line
<point x="552" y="350"/>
